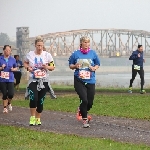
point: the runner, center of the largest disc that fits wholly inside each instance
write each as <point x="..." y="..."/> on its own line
<point x="7" y="67"/>
<point x="17" y="74"/>
<point x="50" y="90"/>
<point x="85" y="62"/>
<point x="37" y="63"/>
<point x="137" y="57"/>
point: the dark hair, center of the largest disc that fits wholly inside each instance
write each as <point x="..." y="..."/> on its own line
<point x="16" y="56"/>
<point x="6" y="46"/>
<point x="139" y="46"/>
<point x="1" y="54"/>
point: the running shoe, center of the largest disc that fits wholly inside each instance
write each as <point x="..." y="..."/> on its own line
<point x="10" y="107"/>
<point x="130" y="90"/>
<point x="142" y="92"/>
<point x="37" y="121"/>
<point x="32" y="121"/>
<point x="78" y="116"/>
<point x="5" y="110"/>
<point x="86" y="123"/>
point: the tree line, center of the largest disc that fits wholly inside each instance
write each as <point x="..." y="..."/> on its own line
<point x="5" y="39"/>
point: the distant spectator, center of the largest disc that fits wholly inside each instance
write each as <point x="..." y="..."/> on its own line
<point x="17" y="74"/>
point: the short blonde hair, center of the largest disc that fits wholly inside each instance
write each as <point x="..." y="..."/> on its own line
<point x="84" y="38"/>
<point x="38" y="39"/>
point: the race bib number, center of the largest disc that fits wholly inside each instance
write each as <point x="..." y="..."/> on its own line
<point x="136" y="67"/>
<point x="39" y="74"/>
<point x="4" y="75"/>
<point x="83" y="74"/>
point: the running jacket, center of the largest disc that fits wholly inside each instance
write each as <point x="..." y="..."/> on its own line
<point x="137" y="60"/>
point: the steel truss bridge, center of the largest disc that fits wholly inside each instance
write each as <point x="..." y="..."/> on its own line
<point x="106" y="42"/>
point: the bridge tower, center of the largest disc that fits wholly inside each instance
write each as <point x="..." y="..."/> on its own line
<point x="22" y="40"/>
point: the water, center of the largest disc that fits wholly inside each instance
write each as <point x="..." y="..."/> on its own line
<point x="109" y="80"/>
<point x="113" y="72"/>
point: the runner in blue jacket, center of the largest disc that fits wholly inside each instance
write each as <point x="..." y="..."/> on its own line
<point x="137" y="67"/>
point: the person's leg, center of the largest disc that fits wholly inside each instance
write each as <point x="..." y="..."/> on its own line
<point x="141" y="73"/>
<point x="17" y="77"/>
<point x="33" y="97"/>
<point x="10" y="94"/>
<point x="3" y="86"/>
<point x="81" y="90"/>
<point x="90" y="95"/>
<point x="134" y="73"/>
<point x="41" y="97"/>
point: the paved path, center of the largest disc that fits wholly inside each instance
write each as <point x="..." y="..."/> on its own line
<point x="119" y="129"/>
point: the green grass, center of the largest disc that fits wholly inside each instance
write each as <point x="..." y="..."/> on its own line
<point x="61" y="88"/>
<point x="130" y="106"/>
<point x="15" y="138"/>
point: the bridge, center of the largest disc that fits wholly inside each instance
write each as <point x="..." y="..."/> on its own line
<point x="106" y="42"/>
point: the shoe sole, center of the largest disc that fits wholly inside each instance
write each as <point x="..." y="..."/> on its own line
<point x="86" y="126"/>
<point x="5" y="112"/>
<point x="31" y="124"/>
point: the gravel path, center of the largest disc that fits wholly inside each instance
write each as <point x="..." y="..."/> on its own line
<point x="118" y="129"/>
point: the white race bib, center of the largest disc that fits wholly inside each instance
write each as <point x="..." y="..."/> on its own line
<point x="83" y="74"/>
<point x="4" y="75"/>
<point x="39" y="74"/>
<point x="136" y="67"/>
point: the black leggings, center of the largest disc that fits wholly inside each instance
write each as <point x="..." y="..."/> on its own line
<point x="17" y="76"/>
<point x="7" y="89"/>
<point x="86" y="94"/>
<point x="134" y="73"/>
<point x="37" y="97"/>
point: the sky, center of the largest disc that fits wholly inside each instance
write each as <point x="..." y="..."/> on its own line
<point x="48" y="16"/>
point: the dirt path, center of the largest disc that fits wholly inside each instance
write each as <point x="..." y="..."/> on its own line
<point x="119" y="129"/>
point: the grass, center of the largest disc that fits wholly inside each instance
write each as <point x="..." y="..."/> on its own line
<point x="15" y="138"/>
<point x="70" y="88"/>
<point x="131" y="106"/>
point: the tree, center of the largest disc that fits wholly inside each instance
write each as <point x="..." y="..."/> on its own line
<point x="4" y="40"/>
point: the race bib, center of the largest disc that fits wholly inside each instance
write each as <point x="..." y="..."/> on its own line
<point x="4" y="75"/>
<point x="136" y="67"/>
<point x="39" y="74"/>
<point x="83" y="74"/>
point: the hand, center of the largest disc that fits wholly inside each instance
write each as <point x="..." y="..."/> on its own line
<point x="138" y="54"/>
<point x="92" y="68"/>
<point x="3" y="66"/>
<point x="30" y="69"/>
<point x="44" y="66"/>
<point x="144" y="60"/>
<point x="77" y="65"/>
<point x="13" y="69"/>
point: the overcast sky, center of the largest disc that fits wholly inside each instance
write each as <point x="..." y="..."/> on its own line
<point x="46" y="16"/>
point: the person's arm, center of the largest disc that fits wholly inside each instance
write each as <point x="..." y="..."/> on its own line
<point x="21" y="65"/>
<point x="50" y="66"/>
<point x="14" y="68"/>
<point x="133" y="56"/>
<point x="26" y="64"/>
<point x="96" y="63"/>
<point x="72" y="64"/>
